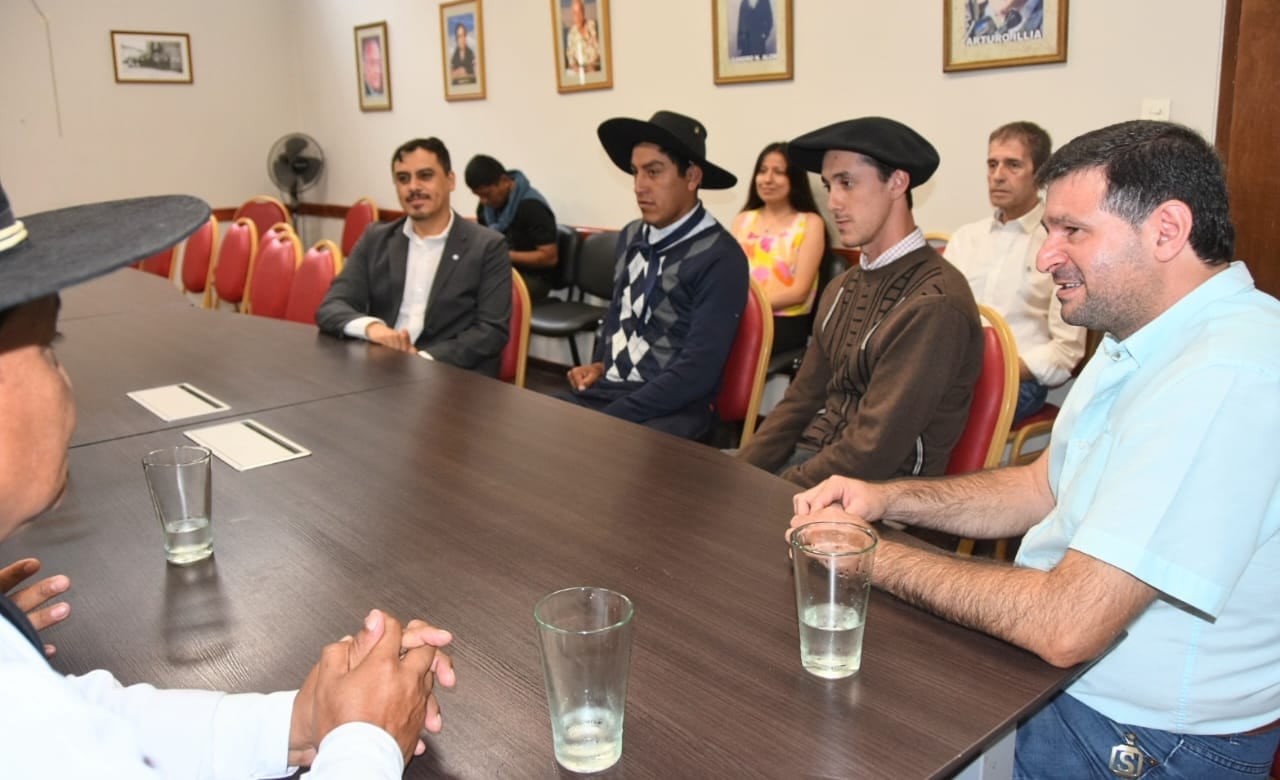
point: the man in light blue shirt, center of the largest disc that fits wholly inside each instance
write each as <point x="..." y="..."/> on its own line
<point x="1152" y="523"/>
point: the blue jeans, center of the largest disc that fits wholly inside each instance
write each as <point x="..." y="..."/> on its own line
<point x="1070" y="740"/>
<point x="1031" y="396"/>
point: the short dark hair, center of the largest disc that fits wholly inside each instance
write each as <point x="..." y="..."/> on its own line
<point x="483" y="171"/>
<point x="1033" y="136"/>
<point x="1146" y="163"/>
<point x="885" y="171"/>
<point x="459" y="26"/>
<point x="432" y="144"/>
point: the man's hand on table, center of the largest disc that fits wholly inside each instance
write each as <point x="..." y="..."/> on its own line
<point x="31" y="597"/>
<point x="379" y="333"/>
<point x="383" y="676"/>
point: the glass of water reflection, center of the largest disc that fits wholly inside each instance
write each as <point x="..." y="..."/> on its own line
<point x="585" y="638"/>
<point x="833" y="582"/>
<point x="179" y="479"/>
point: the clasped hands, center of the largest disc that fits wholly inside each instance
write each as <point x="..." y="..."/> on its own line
<point x="379" y="333"/>
<point x="383" y="676"/>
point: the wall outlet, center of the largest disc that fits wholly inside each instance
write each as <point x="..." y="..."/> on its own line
<point x="1155" y="108"/>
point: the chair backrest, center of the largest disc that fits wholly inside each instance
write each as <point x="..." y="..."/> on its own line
<point x="311" y="281"/>
<point x="596" y="263"/>
<point x="742" y="381"/>
<point x="234" y="261"/>
<point x="515" y="355"/>
<point x="566" y="256"/>
<point x="994" y="398"/>
<point x="264" y="210"/>
<point x="161" y="263"/>
<point x="197" y="260"/>
<point x="362" y="213"/>
<point x="267" y="291"/>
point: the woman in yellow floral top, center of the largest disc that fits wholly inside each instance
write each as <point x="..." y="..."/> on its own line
<point x="785" y="238"/>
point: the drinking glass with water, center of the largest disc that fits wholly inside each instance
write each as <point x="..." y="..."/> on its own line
<point x="585" y="638"/>
<point x="832" y="563"/>
<point x="179" y="479"/>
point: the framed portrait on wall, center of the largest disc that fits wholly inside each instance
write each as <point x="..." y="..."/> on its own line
<point x="752" y="40"/>
<point x="462" y="47"/>
<point x="1002" y="33"/>
<point x="151" y="57"/>
<point x="580" y="29"/>
<point x="373" y="67"/>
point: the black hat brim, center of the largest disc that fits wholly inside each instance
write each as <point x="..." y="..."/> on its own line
<point x="620" y="135"/>
<point x="885" y="140"/>
<point x="72" y="245"/>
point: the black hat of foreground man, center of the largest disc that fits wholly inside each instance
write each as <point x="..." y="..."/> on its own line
<point x="883" y="140"/>
<point x="674" y="132"/>
<point x="46" y="252"/>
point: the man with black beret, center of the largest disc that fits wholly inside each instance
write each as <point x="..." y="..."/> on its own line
<point x="680" y="285"/>
<point x="885" y="385"/>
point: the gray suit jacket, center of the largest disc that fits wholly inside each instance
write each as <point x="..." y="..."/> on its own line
<point x="468" y="308"/>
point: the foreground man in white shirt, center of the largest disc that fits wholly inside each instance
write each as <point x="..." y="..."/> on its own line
<point x="997" y="255"/>
<point x="361" y="709"/>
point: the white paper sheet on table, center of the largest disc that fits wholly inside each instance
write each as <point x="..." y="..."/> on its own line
<point x="247" y="444"/>
<point x="177" y="402"/>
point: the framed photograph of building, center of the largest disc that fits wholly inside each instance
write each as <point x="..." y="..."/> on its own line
<point x="752" y="40"/>
<point x="151" y="57"/>
<point x="373" y="67"/>
<point x="462" y="47"/>
<point x="1002" y="33"/>
<point x="580" y="30"/>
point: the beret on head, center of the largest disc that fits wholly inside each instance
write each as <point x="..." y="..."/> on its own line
<point x="44" y="253"/>
<point x="884" y="140"/>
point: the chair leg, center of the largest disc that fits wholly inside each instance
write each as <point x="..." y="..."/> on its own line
<point x="573" y="349"/>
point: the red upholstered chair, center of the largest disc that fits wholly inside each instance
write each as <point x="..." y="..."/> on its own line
<point x="359" y="216"/>
<point x="267" y="291"/>
<point x="265" y="211"/>
<point x="995" y="396"/>
<point x="742" y="381"/>
<point x="161" y="263"/>
<point x="197" y="261"/>
<point x="1275" y="766"/>
<point x="515" y="355"/>
<point x="311" y="281"/>
<point x="234" y="262"/>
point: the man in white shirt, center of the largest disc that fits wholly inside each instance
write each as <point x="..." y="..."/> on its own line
<point x="431" y="282"/>
<point x="361" y="709"/>
<point x="997" y="255"/>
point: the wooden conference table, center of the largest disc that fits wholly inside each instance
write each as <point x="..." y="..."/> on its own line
<point x="433" y="492"/>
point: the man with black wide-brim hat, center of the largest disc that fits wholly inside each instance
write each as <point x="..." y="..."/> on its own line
<point x="368" y="714"/>
<point x="680" y="285"/>
<point x="884" y="387"/>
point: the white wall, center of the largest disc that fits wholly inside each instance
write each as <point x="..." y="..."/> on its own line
<point x="266" y="67"/>
<point x="209" y="138"/>
<point x="852" y="59"/>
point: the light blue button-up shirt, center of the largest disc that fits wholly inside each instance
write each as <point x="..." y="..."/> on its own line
<point x="1165" y="462"/>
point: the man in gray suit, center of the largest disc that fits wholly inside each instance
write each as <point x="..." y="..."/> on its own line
<point x="431" y="282"/>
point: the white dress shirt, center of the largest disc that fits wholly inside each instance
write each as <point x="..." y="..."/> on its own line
<point x="999" y="260"/>
<point x="92" y="726"/>
<point x="419" y="274"/>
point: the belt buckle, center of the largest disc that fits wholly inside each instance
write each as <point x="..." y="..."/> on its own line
<point x="1128" y="760"/>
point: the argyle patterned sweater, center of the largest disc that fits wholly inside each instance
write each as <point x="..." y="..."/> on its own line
<point x="693" y="320"/>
